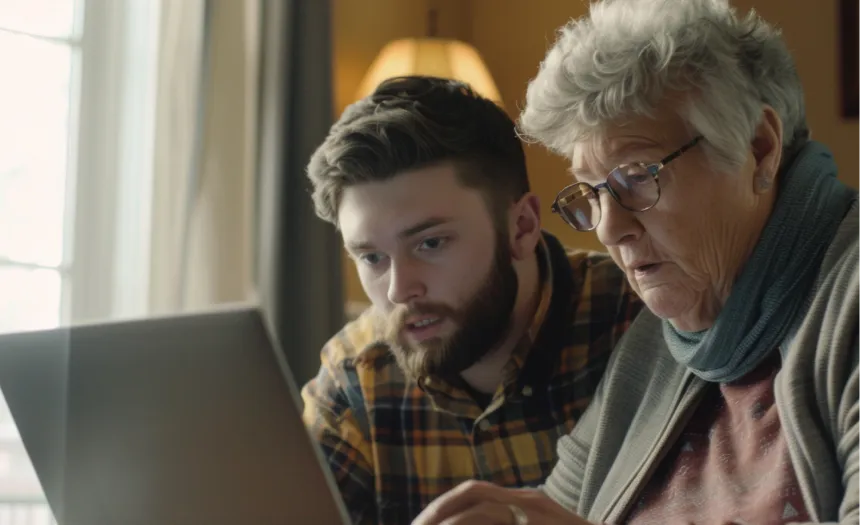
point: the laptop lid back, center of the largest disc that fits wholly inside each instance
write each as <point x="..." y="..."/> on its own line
<point x="183" y="420"/>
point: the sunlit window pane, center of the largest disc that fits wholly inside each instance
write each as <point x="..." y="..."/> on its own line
<point x="29" y="299"/>
<point x="34" y="104"/>
<point x="53" y="18"/>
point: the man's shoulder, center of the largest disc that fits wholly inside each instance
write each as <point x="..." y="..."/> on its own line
<point x="595" y="309"/>
<point x="361" y="341"/>
<point x="593" y="264"/>
<point x="359" y="358"/>
<point x="599" y="283"/>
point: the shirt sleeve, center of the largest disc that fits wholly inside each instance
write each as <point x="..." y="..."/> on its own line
<point x="334" y="414"/>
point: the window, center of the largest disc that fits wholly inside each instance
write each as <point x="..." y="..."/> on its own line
<point x="39" y="55"/>
<point x="75" y="173"/>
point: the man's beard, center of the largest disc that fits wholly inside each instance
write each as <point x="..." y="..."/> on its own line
<point x="481" y="324"/>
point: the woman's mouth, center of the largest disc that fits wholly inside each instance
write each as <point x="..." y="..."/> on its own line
<point x="646" y="269"/>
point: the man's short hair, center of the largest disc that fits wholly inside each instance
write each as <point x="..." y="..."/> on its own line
<point x="414" y="122"/>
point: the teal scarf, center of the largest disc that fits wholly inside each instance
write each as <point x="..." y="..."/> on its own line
<point x="770" y="293"/>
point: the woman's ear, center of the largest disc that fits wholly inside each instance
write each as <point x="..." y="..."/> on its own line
<point x="524" y="226"/>
<point x="762" y="183"/>
<point x="767" y="150"/>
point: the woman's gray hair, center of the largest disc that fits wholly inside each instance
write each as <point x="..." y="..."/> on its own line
<point x="622" y="59"/>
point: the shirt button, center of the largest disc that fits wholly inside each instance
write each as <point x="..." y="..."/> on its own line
<point x="527" y="391"/>
<point x="484" y="425"/>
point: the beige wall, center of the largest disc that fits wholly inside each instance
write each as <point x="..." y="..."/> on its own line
<point x="361" y="29"/>
<point x="513" y="36"/>
<point x="812" y="33"/>
<point x="513" y="40"/>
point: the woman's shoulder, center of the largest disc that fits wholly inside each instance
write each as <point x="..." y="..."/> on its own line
<point x="833" y="305"/>
<point x="830" y="326"/>
<point x="841" y="256"/>
<point x="642" y="371"/>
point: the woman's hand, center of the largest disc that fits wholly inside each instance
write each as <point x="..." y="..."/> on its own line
<point x="481" y="503"/>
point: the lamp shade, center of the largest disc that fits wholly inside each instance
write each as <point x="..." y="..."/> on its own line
<point x="434" y="57"/>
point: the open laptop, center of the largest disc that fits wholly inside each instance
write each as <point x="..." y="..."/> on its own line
<point x="185" y="420"/>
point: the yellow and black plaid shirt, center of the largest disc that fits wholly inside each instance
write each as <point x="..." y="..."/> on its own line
<point x="394" y="446"/>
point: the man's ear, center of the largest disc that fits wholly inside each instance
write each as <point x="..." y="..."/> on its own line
<point x="524" y="226"/>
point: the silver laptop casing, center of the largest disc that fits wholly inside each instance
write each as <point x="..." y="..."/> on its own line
<point x="186" y="420"/>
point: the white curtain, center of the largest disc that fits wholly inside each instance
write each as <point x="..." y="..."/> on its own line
<point x="202" y="244"/>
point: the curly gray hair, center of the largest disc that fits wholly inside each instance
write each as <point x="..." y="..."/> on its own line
<point x="622" y="58"/>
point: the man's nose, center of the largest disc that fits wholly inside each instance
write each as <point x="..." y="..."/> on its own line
<point x="405" y="284"/>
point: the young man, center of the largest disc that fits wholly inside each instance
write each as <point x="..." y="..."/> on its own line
<point x="485" y="339"/>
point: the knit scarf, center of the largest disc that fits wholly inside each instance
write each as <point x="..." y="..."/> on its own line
<point x="770" y="293"/>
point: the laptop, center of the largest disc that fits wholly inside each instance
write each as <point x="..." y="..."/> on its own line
<point x="184" y="420"/>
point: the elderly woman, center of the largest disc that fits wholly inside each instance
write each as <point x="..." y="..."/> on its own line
<point x="734" y="398"/>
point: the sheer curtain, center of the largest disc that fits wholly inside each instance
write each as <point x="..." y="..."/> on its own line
<point x="244" y="97"/>
<point x="202" y="243"/>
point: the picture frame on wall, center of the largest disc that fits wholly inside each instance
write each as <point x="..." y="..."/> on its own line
<point x="848" y="44"/>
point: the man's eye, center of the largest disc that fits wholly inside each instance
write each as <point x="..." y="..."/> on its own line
<point x="433" y="243"/>
<point x="370" y="259"/>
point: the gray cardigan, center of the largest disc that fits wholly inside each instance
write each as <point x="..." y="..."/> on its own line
<point x="646" y="397"/>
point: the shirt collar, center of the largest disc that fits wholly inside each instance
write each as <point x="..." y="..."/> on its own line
<point x="523" y="349"/>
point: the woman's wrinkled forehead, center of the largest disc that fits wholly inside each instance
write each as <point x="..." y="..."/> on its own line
<point x="594" y="159"/>
<point x="638" y="140"/>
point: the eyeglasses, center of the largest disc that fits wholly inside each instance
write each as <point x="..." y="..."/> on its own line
<point x="635" y="186"/>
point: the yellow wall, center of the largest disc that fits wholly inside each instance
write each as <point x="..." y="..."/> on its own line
<point x="513" y="36"/>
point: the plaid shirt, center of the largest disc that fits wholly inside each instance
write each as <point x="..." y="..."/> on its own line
<point x="395" y="445"/>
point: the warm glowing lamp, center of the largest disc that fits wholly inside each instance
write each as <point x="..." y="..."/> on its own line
<point x="432" y="56"/>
